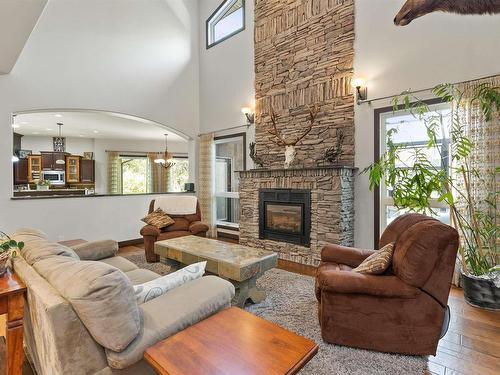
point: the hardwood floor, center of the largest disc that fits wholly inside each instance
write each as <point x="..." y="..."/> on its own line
<point x="471" y="346"/>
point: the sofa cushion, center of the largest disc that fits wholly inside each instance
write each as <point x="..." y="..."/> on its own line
<point x="377" y="263"/>
<point x="178" y="309"/>
<point x="29" y="234"/>
<point x="159" y="219"/>
<point x="96" y="250"/>
<point x="121" y="263"/>
<point x="102" y="296"/>
<point x="37" y="248"/>
<point x="141" y="276"/>
<point x="179" y="224"/>
<point x="155" y="288"/>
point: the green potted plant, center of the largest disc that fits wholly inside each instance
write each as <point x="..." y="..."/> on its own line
<point x="8" y="249"/>
<point x="419" y="182"/>
<point x="42" y="184"/>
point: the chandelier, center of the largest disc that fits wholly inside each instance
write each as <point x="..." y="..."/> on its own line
<point x="165" y="159"/>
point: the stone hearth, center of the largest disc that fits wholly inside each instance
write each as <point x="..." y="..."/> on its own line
<point x="332" y="208"/>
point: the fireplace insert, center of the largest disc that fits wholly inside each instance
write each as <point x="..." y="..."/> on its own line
<point x="285" y="215"/>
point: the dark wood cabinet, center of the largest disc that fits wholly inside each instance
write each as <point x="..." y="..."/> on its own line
<point x="21" y="172"/>
<point x="87" y="171"/>
<point x="49" y="161"/>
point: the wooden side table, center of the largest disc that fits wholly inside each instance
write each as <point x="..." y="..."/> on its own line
<point x="12" y="293"/>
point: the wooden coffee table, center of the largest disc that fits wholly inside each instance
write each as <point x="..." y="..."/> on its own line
<point x="242" y="265"/>
<point x="232" y="342"/>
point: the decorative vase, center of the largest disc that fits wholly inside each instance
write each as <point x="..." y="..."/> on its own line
<point x="481" y="292"/>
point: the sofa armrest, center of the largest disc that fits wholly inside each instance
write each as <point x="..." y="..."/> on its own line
<point x="349" y="256"/>
<point x="198" y="227"/>
<point x="96" y="250"/>
<point x="150" y="230"/>
<point x="348" y="282"/>
<point x="172" y="312"/>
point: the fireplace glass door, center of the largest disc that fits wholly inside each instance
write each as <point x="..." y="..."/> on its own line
<point x="284" y="217"/>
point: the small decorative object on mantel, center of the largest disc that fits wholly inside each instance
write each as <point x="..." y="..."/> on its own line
<point x="332" y="154"/>
<point x="257" y="160"/>
<point x="8" y="249"/>
<point x="290" y="151"/>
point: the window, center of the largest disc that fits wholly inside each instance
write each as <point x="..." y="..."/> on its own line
<point x="226" y="21"/>
<point x="230" y="157"/>
<point x="135" y="174"/>
<point x="179" y="174"/>
<point x="411" y="136"/>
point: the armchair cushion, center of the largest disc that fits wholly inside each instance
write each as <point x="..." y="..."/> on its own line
<point x="96" y="250"/>
<point x="344" y="255"/>
<point x="378" y="262"/>
<point x="347" y="282"/>
<point x="159" y="219"/>
<point x="172" y="312"/>
<point x="198" y="227"/>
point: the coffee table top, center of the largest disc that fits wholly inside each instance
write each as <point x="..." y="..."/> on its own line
<point x="233" y="261"/>
<point x="232" y="342"/>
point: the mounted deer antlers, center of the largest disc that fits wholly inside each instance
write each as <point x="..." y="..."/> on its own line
<point x="313" y="112"/>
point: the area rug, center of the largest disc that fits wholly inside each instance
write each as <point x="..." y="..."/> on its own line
<point x="291" y="304"/>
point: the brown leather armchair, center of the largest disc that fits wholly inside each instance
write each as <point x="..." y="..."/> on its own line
<point x="403" y="310"/>
<point x="185" y="225"/>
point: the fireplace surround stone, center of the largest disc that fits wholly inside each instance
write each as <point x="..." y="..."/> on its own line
<point x="332" y="208"/>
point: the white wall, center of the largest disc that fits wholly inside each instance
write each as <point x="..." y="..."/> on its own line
<point x="434" y="49"/>
<point x="127" y="56"/>
<point x="75" y="146"/>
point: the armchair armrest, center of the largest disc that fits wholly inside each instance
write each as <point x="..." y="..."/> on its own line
<point x="346" y="282"/>
<point x="349" y="256"/>
<point x="198" y="227"/>
<point x="150" y="230"/>
<point x="96" y="250"/>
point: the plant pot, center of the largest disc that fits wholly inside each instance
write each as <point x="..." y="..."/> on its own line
<point x="480" y="292"/>
<point x="42" y="187"/>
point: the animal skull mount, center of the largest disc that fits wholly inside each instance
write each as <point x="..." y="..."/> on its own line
<point x="290" y="151"/>
<point x="413" y="9"/>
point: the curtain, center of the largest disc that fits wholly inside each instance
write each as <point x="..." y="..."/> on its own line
<point x="114" y="173"/>
<point x="485" y="156"/>
<point x="206" y="181"/>
<point x="159" y="176"/>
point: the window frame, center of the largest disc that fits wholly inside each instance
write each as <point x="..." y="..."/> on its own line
<point x="131" y="157"/>
<point x="209" y="20"/>
<point x="377" y="209"/>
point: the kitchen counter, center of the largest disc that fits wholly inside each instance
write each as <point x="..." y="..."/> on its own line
<point x="77" y="193"/>
<point x="49" y="193"/>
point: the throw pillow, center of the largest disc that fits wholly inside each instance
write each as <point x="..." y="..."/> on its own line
<point x="378" y="262"/>
<point x="158" y="219"/>
<point x="157" y="287"/>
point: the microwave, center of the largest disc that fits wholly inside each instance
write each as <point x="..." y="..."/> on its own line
<point x="55" y="177"/>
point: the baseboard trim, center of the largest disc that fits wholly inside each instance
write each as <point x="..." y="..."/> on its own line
<point x="138" y="241"/>
<point x="301" y="269"/>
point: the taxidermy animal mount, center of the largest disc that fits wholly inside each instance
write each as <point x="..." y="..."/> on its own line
<point x="290" y="151"/>
<point x="257" y="160"/>
<point x="417" y="8"/>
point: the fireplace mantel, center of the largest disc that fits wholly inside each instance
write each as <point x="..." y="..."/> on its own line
<point x="332" y="208"/>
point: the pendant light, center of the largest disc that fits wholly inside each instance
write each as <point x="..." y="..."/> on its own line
<point x="165" y="159"/>
<point x="60" y="144"/>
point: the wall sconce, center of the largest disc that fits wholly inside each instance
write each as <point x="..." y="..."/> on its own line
<point x="247" y="111"/>
<point x="361" y="89"/>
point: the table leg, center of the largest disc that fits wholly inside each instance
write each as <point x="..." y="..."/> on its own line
<point x="247" y="290"/>
<point x="14" y="333"/>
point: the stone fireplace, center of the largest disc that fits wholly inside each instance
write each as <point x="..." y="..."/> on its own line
<point x="285" y="215"/>
<point x="326" y="192"/>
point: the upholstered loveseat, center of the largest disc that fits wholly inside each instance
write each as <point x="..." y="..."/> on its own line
<point x="185" y="225"/>
<point x="82" y="317"/>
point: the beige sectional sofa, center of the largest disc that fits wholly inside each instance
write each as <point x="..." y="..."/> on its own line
<point x="82" y="317"/>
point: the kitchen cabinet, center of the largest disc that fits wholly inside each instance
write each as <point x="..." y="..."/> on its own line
<point x="87" y="171"/>
<point x="49" y="161"/>
<point x="34" y="167"/>
<point x="21" y="172"/>
<point x="73" y="169"/>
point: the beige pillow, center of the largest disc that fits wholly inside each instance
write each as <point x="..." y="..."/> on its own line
<point x="159" y="219"/>
<point x="101" y="295"/>
<point x="378" y="262"/>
